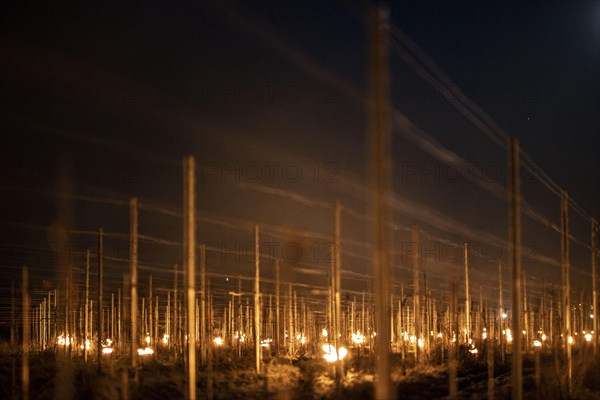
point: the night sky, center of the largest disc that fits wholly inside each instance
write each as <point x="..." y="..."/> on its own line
<point x="100" y="101"/>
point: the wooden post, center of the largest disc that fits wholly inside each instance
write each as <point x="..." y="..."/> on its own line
<point x="517" y="365"/>
<point x="337" y="282"/>
<point x="257" y="344"/>
<point x="594" y="288"/>
<point x="501" y="311"/>
<point x="100" y="290"/>
<point x="112" y="316"/>
<point x="175" y="337"/>
<point x="467" y="297"/>
<point x="452" y="357"/>
<point x="133" y="255"/>
<point x="119" y="316"/>
<point x="203" y="326"/>
<point x="150" y="312"/>
<point x="189" y="232"/>
<point x="490" y="370"/>
<point x="566" y="285"/>
<point x="87" y="301"/>
<point x="277" y="316"/>
<point x="525" y="315"/>
<point x="416" y="289"/>
<point x="26" y="333"/>
<point x="291" y="322"/>
<point x="379" y="184"/>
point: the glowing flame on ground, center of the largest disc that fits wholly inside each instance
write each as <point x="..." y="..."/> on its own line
<point x="218" y="341"/>
<point x="266" y="342"/>
<point x="537" y="343"/>
<point x="146" y="351"/>
<point x="64" y="342"/>
<point x="165" y="339"/>
<point x="324" y="332"/>
<point x="330" y="353"/>
<point x="108" y="350"/>
<point x="570" y="339"/>
<point x="588" y="337"/>
<point x="87" y="345"/>
<point x="242" y="336"/>
<point x="357" y="338"/>
<point x="509" y="337"/>
<point x="147" y="339"/>
<point x="420" y="343"/>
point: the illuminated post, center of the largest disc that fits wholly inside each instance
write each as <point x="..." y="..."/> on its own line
<point x="525" y="316"/>
<point x="594" y="288"/>
<point x="257" y="348"/>
<point x="501" y="310"/>
<point x="175" y="338"/>
<point x="337" y="282"/>
<point x="452" y="357"/>
<point x="150" y="311"/>
<point x="100" y="290"/>
<point x="112" y="316"/>
<point x="133" y="255"/>
<point x="277" y="316"/>
<point x="189" y="233"/>
<point x="291" y="321"/>
<point x="26" y="333"/>
<point x="203" y="303"/>
<point x="416" y="289"/>
<point x="119" y="316"/>
<point x="517" y="366"/>
<point x="87" y="310"/>
<point x="467" y="297"/>
<point x="379" y="182"/>
<point x="566" y="284"/>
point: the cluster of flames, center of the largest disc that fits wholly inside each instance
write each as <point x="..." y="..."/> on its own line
<point x="329" y="350"/>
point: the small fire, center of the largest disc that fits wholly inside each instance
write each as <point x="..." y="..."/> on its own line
<point x="330" y="353"/>
<point x="218" y="341"/>
<point x="146" y="351"/>
<point x="358" y="338"/>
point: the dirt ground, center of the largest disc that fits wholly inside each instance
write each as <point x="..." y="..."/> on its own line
<point x="163" y="377"/>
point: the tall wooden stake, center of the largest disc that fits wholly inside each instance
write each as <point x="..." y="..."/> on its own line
<point x="257" y="344"/>
<point x="203" y="325"/>
<point x="100" y="290"/>
<point x="189" y="232"/>
<point x="150" y="311"/>
<point x="26" y="333"/>
<point x="337" y="282"/>
<point x="416" y="289"/>
<point x="87" y="301"/>
<point x="566" y="284"/>
<point x="500" y="311"/>
<point x="133" y="255"/>
<point x="594" y="288"/>
<point x="379" y="189"/>
<point x="517" y="365"/>
<point x="277" y="316"/>
<point x="467" y="297"/>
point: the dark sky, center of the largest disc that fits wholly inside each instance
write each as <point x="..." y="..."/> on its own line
<point x="102" y="100"/>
